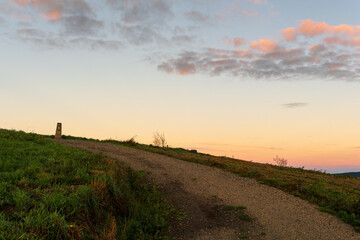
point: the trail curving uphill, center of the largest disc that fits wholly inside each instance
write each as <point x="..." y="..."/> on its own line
<point x="201" y="191"/>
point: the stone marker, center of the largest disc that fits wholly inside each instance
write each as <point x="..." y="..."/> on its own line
<point x="58" y="131"/>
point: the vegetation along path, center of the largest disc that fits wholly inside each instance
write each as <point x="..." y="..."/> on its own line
<point x="201" y="191"/>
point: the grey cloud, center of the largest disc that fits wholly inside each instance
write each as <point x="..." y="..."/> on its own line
<point x="178" y="30"/>
<point x="318" y="48"/>
<point x="182" y="66"/>
<point x="181" y="39"/>
<point x="44" y="40"/>
<point x="65" y="7"/>
<point x="31" y="32"/>
<point x="23" y="24"/>
<point x="97" y="44"/>
<point x="139" y="35"/>
<point x="77" y="23"/>
<point x="196" y="16"/>
<point x="281" y="64"/>
<point x="81" y="25"/>
<point x="295" y="105"/>
<point x="143" y="11"/>
<point x="144" y="22"/>
<point x="166" y="67"/>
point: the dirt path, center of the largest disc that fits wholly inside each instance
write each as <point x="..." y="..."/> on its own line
<point x="202" y="191"/>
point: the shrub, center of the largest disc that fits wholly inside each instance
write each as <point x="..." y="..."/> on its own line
<point x="282" y="162"/>
<point x="159" y="139"/>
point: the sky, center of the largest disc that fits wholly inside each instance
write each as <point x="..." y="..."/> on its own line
<point x="249" y="79"/>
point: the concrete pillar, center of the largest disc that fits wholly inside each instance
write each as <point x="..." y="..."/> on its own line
<point x="58" y="131"/>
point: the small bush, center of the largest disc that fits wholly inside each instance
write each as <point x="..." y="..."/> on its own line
<point x="159" y="139"/>
<point x="282" y="162"/>
<point x="131" y="141"/>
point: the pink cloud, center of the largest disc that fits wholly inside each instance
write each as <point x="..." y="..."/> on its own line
<point x="54" y="15"/>
<point x="186" y="70"/>
<point x="249" y="13"/>
<point x="243" y="54"/>
<point x="311" y="28"/>
<point x="221" y="16"/>
<point x="236" y="8"/>
<point x="234" y="42"/>
<point x="289" y="34"/>
<point x="259" y="2"/>
<point x="353" y="41"/>
<point x="55" y="9"/>
<point x="316" y="48"/>
<point x="264" y="45"/>
<point x="343" y="34"/>
<point x="23" y="1"/>
<point x="49" y="9"/>
<point x="333" y="40"/>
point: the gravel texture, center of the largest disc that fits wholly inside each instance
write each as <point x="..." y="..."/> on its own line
<point x="201" y="191"/>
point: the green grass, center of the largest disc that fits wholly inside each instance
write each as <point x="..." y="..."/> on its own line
<point x="181" y="215"/>
<point x="233" y="208"/>
<point x="243" y="236"/>
<point x="244" y="217"/>
<point x="335" y="194"/>
<point x="49" y="191"/>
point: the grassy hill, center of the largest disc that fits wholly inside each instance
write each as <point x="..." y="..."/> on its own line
<point x="335" y="194"/>
<point x="49" y="191"/>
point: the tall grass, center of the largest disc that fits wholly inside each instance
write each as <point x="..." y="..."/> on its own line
<point x="49" y="191"/>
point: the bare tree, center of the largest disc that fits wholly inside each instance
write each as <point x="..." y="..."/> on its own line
<point x="159" y="139"/>
<point x="282" y="162"/>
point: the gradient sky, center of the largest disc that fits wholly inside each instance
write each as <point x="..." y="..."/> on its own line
<point x="248" y="78"/>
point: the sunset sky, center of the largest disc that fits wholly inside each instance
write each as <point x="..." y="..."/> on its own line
<point x="248" y="78"/>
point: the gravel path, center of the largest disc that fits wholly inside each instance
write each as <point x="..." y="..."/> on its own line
<point x="200" y="190"/>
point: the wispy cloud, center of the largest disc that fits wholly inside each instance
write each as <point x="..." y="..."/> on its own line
<point x="197" y="16"/>
<point x="235" y="42"/>
<point x="282" y="59"/>
<point x="53" y="9"/>
<point x="295" y="105"/>
<point x="74" y="23"/>
<point x="332" y="55"/>
<point x="258" y="2"/>
<point x="242" y="8"/>
<point x="249" y="13"/>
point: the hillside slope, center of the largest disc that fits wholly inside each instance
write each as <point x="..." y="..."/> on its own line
<point x="277" y="215"/>
<point x="50" y="191"/>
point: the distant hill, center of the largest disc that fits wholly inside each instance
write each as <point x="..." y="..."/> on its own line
<point x="354" y="174"/>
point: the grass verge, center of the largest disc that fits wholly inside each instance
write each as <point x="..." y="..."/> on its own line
<point x="49" y="191"/>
